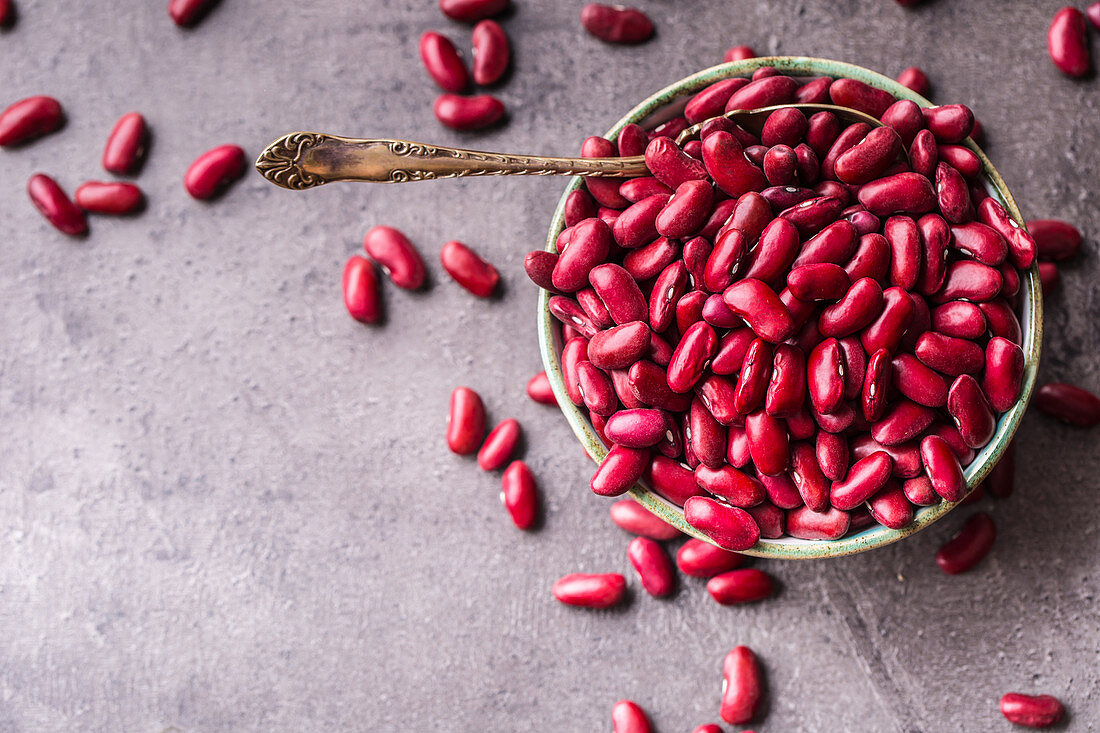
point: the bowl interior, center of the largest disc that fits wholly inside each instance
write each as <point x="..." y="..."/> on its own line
<point x="668" y="103"/>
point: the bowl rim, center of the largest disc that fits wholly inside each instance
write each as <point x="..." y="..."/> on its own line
<point x="1031" y="323"/>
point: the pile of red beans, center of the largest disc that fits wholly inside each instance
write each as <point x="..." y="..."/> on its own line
<point x="799" y="332"/>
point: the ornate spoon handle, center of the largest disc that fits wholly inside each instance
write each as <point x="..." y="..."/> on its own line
<point x="304" y="160"/>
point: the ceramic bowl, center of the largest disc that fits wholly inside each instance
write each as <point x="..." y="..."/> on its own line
<point x="668" y="103"/>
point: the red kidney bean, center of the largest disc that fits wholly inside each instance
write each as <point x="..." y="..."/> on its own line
<point x="890" y="507"/>
<point x="469" y="270"/>
<point x="469" y="11"/>
<point x="51" y="201"/>
<point x="126" y="144"/>
<point x="397" y="256"/>
<point x="214" y="170"/>
<point x="732" y="350"/>
<point x="868" y="158"/>
<point x="619" y="293"/>
<point x="1049" y="278"/>
<point x="813" y="215"/>
<point x="919" y="491"/>
<point x="832" y="455"/>
<point x="689" y="309"/>
<point x="786" y="390"/>
<point x="647" y="262"/>
<point x="739" y="53"/>
<point x="780" y="166"/>
<point x="953" y="194"/>
<point x="923" y="154"/>
<point x="711" y="101"/>
<point x="573" y="316"/>
<point x="589" y="246"/>
<point x="906" y="456"/>
<point x="1069" y="403"/>
<point x="627" y="717"/>
<point x="902" y="193"/>
<point x="6" y="15"/>
<point x="468" y="113"/>
<point x="619" y="471"/>
<point x="670" y="165"/>
<point x="969" y="546"/>
<point x="1010" y="280"/>
<point x="620" y="346"/>
<point x="632" y="140"/>
<point x="637" y="428"/>
<point x="981" y="242"/>
<point x="1032" y="711"/>
<point x="763" y="92"/>
<point x="872" y="257"/>
<point x="724" y="160"/>
<point x="736" y="488"/>
<point x="1002" y="321"/>
<point x="539" y="266"/>
<point x="967" y="405"/>
<point x="742" y="686"/>
<point x="729" y="527"/>
<point x="670" y="129"/>
<point x="961" y="159"/>
<point x="808" y="477"/>
<point x="917" y="382"/>
<point x="949" y="355"/>
<point x="686" y="211"/>
<point x="904" y="421"/>
<point x="1004" y="373"/>
<point x="636" y="189"/>
<point x="935" y="236"/>
<point x="954" y="439"/>
<point x="863" y="480"/>
<point x="1093" y="13"/>
<point x="967" y="280"/>
<point x="942" y="467"/>
<point x="886" y="331"/>
<point x="814" y="92"/>
<point x="491" y="52"/>
<point x="620" y="379"/>
<point x="818" y="281"/>
<point x="855" y="366"/>
<point x="465" y="422"/>
<point x="632" y="517"/>
<point x="843" y="141"/>
<point x="784" y="127"/>
<point x="902" y="234"/>
<point x="648" y="384"/>
<point x="185" y="13"/>
<point x="1067" y="44"/>
<point x="861" y="305"/>
<point x="653" y="566"/>
<point x="443" y="62"/>
<point x="573" y="353"/>
<point x="361" y="294"/>
<point x="825" y="376"/>
<point x="801" y="313"/>
<point x="823" y="129"/>
<point x="781" y="492"/>
<point x="863" y="97"/>
<point x="754" y="378"/>
<point x="667" y="291"/>
<point x="717" y="395"/>
<point x="604" y="190"/>
<point x="806" y="524"/>
<point x="637" y="225"/>
<point x="695" y="255"/>
<point x="777" y="248"/>
<point x="801" y="425"/>
<point x="691" y="356"/>
<point x="808" y="163"/>
<point x="768" y="442"/>
<point x="740" y="586"/>
<point x="717" y="313"/>
<point x="718" y="216"/>
<point x="596" y="389"/>
<point x="950" y="123"/>
<point x="915" y="79"/>
<point x="876" y="385"/>
<point x="724" y="261"/>
<point x="761" y="308"/>
<point x="1055" y="240"/>
<point x="590" y="590"/>
<point x="539" y="390"/>
<point x="1021" y="244"/>
<point x="905" y="118"/>
<point x="672" y="479"/>
<point x="109" y="198"/>
<point x="616" y="23"/>
<point x="705" y="435"/>
<point x="703" y="560"/>
<point x="519" y="493"/>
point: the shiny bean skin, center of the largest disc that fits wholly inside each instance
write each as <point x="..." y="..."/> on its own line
<point x="632" y="517"/>
<point x="902" y="193"/>
<point x="876" y="385"/>
<point x="1055" y="240"/>
<point x="872" y="257"/>
<point x="941" y="465"/>
<point x="742" y="686"/>
<point x="806" y="473"/>
<point x="1003" y="374"/>
<point x="740" y="586"/>
<point x="648" y="384"/>
<point x="906" y="456"/>
<point x="701" y="559"/>
<point x="604" y="190"/>
<point x="491" y="52"/>
<point x="573" y="353"/>
<point x="834" y="244"/>
<point x="887" y="330"/>
<point x="813" y="215"/>
<point x="725" y="162"/>
<point x="1032" y="711"/>
<point x="914" y="78"/>
<point x="1067" y="44"/>
<point x="781" y="167"/>
<point x="718" y="314"/>
<point x="469" y="270"/>
<point x="726" y="482"/>
<point x="589" y="246"/>
<point x="590" y="590"/>
<point x="904" y="421"/>
<point x="465" y="422"/>
<point x="619" y="347"/>
<point x="768" y="442"/>
<point x="784" y="127"/>
<point x="519" y="494"/>
<point x="667" y="291"/>
<point x="30" y="118"/>
<point x="691" y="356"/>
<point x="819" y="281"/>
<point x="686" y="211"/>
<point x="905" y="246"/>
<point x="397" y="256"/>
<point x="539" y="390"/>
<point x="967" y="548"/>
<point x="890" y="507"/>
<point x="636" y="189"/>
<point x="863" y="480"/>
<point x="717" y="394"/>
<point x="777" y="249"/>
<point x="825" y="376"/>
<point x="711" y="101"/>
<point x="126" y="144"/>
<point x="443" y="62"/>
<point x="905" y="118"/>
<point x="725" y="261"/>
<point x="953" y="194"/>
<point x="917" y="382"/>
<point x="637" y="225"/>
<point x="949" y="355"/>
<point x="620" y="470"/>
<point x="919" y="491"/>
<point x="468" y="113"/>
<point x="689" y="309"/>
<point x="572" y="315"/>
<point x="860" y="96"/>
<point x="1002" y="321"/>
<point x="705" y="435"/>
<point x="1070" y="404"/>
<point x="213" y="171"/>
<point x="653" y="566"/>
<point x="868" y="158"/>
<point x="924" y="154"/>
<point x="806" y="524"/>
<point x="729" y="527"/>
<point x="954" y="439"/>
<point x="761" y="308"/>
<point x="1022" y="247"/>
<point x="596" y="389"/>
<point x="968" y="407"/>
<point x="695" y="255"/>
<point x="732" y="350"/>
<point x="470" y="11"/>
<point x="645" y="263"/>
<point x="814" y="92"/>
<point x="855" y="366"/>
<point x="962" y="159"/>
<point x="109" y="197"/>
<point x="755" y="376"/>
<point x="670" y="165"/>
<point x="787" y="387"/>
<point x="969" y="280"/>
<point x="781" y="492"/>
<point x="619" y="292"/>
<point x="949" y="123"/>
<point x="616" y="23"/>
<point x="627" y="717"/>
<point x="981" y="242"/>
<point x="763" y="92"/>
<point x="632" y="140"/>
<point x="186" y="13"/>
<point x="637" y="428"/>
<point x="362" y="296"/>
<point x="832" y="455"/>
<point x="859" y="307"/>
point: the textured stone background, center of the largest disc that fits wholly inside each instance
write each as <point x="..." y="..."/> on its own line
<point x="226" y="506"/>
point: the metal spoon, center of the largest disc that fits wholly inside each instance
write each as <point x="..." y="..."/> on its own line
<point x="304" y="160"/>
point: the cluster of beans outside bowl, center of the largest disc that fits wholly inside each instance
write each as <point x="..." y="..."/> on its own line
<point x="799" y="334"/>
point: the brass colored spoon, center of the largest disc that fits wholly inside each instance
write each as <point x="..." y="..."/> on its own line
<point x="304" y="160"/>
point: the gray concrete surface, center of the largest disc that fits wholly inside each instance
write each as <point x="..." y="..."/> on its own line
<point x="225" y="506"/>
